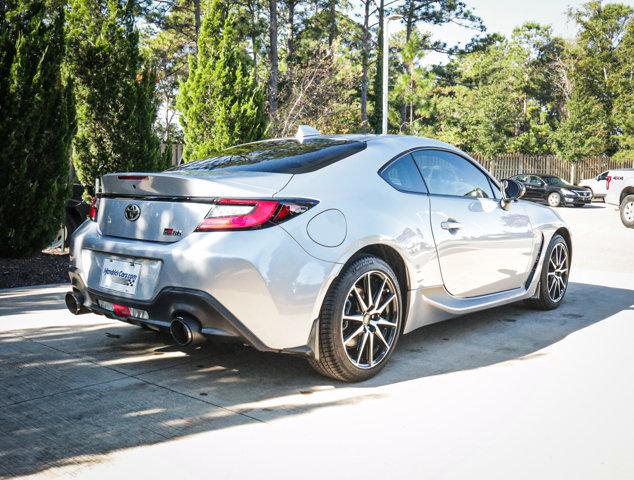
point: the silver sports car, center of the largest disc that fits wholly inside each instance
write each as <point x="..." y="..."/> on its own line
<point x="331" y="247"/>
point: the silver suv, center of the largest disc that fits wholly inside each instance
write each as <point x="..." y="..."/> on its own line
<point x="330" y="247"/>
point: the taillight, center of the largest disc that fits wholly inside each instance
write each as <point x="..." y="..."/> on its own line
<point x="244" y="214"/>
<point x="607" y="182"/>
<point x="121" y="310"/>
<point x="94" y="208"/>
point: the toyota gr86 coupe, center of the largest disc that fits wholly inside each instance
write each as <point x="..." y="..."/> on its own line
<point x="330" y="247"/>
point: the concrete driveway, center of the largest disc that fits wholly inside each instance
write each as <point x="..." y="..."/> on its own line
<point x="508" y="393"/>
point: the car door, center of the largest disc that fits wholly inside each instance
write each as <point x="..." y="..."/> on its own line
<point x="481" y="247"/>
<point x="600" y="187"/>
<point x="535" y="188"/>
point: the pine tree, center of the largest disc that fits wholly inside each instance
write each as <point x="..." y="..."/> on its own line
<point x="114" y="90"/>
<point x="220" y="103"/>
<point x="584" y="131"/>
<point x="36" y="125"/>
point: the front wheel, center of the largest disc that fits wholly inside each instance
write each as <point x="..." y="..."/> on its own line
<point x="554" y="199"/>
<point x="360" y="321"/>
<point x="627" y="211"/>
<point x="553" y="280"/>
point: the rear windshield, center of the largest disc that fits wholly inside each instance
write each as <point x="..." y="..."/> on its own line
<point x="279" y="156"/>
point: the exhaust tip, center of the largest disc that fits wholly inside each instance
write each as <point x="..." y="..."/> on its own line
<point x="186" y="331"/>
<point x="75" y="303"/>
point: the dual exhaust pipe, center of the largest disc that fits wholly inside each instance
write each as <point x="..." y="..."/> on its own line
<point x="75" y="303"/>
<point x="185" y="330"/>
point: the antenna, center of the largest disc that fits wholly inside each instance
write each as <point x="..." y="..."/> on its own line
<point x="304" y="131"/>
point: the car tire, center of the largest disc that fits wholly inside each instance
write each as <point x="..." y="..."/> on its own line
<point x="554" y="199"/>
<point x="627" y="211"/>
<point x="351" y="361"/>
<point x="557" y="259"/>
<point x="591" y="194"/>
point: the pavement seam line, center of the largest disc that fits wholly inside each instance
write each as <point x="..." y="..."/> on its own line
<point x="197" y="398"/>
<point x="62" y="392"/>
<point x="136" y="377"/>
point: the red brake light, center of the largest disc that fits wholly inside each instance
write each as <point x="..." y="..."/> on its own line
<point x="132" y="177"/>
<point x="120" y="310"/>
<point x="243" y="214"/>
<point x="607" y="182"/>
<point x="94" y="208"/>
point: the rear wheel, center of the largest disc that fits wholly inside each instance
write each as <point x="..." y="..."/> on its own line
<point x="553" y="281"/>
<point x="554" y="199"/>
<point x="360" y="321"/>
<point x="627" y="211"/>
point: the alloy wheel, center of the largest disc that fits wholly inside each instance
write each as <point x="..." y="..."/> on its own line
<point x="558" y="272"/>
<point x="554" y="199"/>
<point x="57" y="241"/>
<point x="370" y="319"/>
<point x="628" y="212"/>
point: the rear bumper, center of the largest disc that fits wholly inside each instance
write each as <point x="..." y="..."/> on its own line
<point x="214" y="318"/>
<point x="257" y="286"/>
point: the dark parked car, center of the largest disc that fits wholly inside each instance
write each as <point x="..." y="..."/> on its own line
<point x="553" y="190"/>
<point x="76" y="212"/>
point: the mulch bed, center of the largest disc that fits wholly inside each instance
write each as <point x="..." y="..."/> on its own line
<point x="50" y="266"/>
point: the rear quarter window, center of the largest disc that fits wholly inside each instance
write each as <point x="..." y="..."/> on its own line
<point x="403" y="175"/>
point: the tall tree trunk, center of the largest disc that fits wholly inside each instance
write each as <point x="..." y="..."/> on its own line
<point x="332" y="22"/>
<point x="253" y="9"/>
<point x="410" y="21"/>
<point x="274" y="76"/>
<point x="290" y="42"/>
<point x="410" y="24"/>
<point x="365" y="61"/>
<point x="377" y="113"/>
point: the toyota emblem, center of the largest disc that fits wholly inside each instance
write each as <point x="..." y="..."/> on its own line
<point x="132" y="212"/>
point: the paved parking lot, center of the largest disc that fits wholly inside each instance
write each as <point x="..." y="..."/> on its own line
<point x="508" y="393"/>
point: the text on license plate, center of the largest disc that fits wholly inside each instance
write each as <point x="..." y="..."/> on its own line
<point x="120" y="275"/>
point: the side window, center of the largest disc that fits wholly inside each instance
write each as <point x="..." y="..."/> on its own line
<point x="521" y="178"/>
<point x="603" y="176"/>
<point x="403" y="175"/>
<point x="446" y="173"/>
<point x="536" y="181"/>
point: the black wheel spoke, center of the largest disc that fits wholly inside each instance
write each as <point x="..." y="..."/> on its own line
<point x="557" y="275"/>
<point x="370" y="320"/>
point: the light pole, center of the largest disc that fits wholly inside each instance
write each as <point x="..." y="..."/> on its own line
<point x="386" y="51"/>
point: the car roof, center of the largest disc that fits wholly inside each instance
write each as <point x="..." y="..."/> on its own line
<point x="540" y="175"/>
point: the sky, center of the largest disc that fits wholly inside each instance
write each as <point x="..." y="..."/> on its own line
<point x="502" y="16"/>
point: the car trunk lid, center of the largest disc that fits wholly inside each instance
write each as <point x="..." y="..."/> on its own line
<point x="166" y="207"/>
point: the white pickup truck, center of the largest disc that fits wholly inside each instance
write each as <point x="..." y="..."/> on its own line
<point x="620" y="192"/>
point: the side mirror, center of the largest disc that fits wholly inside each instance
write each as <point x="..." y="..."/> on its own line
<point x="512" y="190"/>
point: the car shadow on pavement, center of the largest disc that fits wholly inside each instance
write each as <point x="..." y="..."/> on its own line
<point x="72" y="394"/>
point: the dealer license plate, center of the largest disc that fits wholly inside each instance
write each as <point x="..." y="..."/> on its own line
<point x="120" y="275"/>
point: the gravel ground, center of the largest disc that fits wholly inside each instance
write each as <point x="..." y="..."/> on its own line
<point x="50" y="266"/>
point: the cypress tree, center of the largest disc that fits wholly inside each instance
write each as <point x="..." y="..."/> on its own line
<point x="221" y="104"/>
<point x="36" y="125"/>
<point x="114" y="91"/>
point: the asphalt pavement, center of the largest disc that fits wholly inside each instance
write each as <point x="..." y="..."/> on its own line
<point x="506" y="393"/>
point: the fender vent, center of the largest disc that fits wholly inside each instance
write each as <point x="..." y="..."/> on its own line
<point x="534" y="269"/>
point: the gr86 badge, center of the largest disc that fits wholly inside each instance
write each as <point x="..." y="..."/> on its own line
<point x="172" y="232"/>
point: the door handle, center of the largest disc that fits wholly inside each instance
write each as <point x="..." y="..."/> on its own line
<point x="450" y="225"/>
